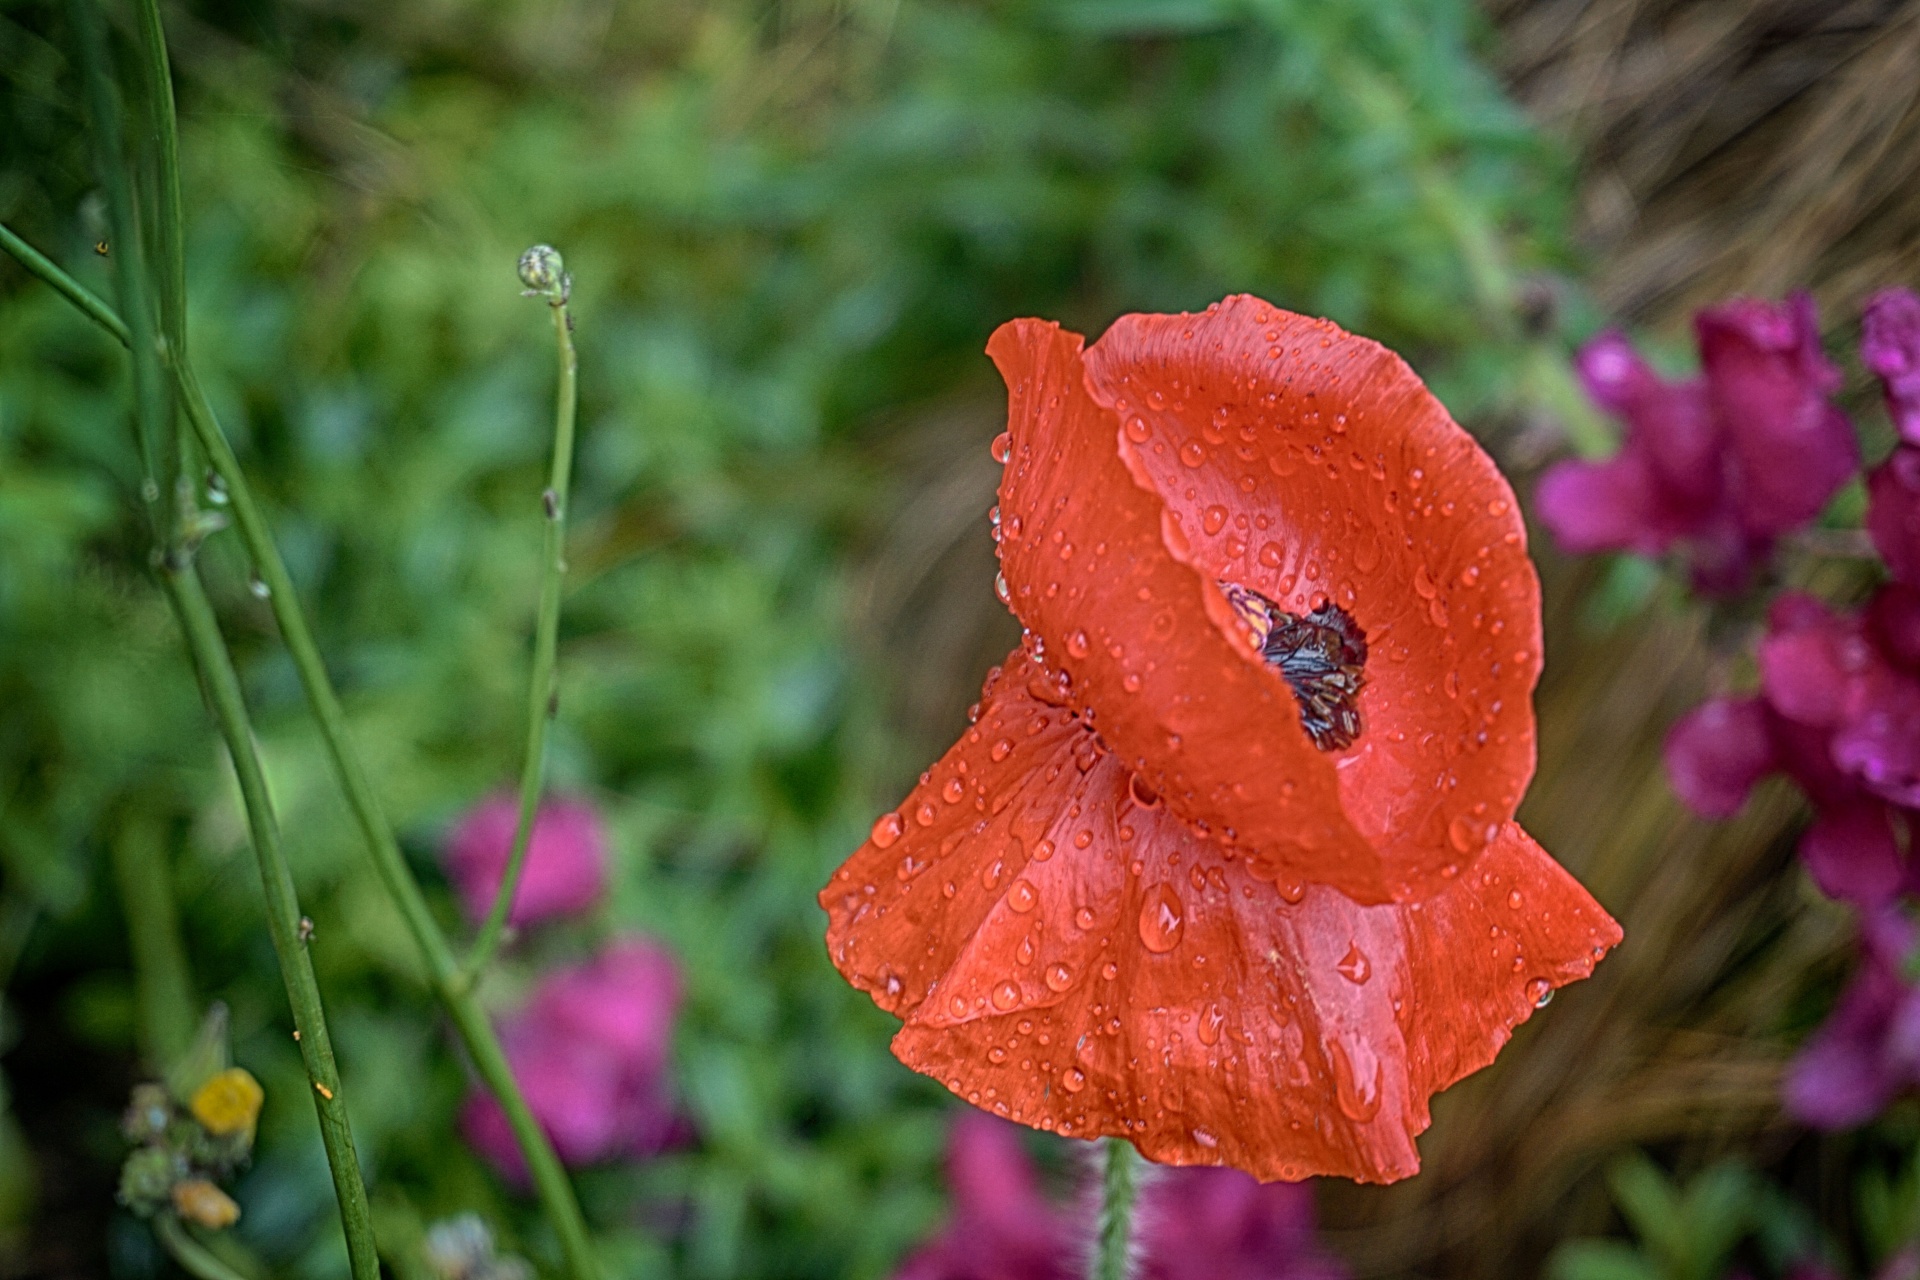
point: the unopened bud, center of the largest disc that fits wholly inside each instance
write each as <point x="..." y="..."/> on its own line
<point x="203" y="1204"/>
<point x="543" y="272"/>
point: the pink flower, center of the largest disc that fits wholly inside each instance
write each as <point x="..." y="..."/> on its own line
<point x="1191" y="1224"/>
<point x="589" y="1051"/>
<point x="1715" y="466"/>
<point x="1839" y="713"/>
<point x="1869" y="1048"/>
<point x="566" y="868"/>
<point x="1890" y="346"/>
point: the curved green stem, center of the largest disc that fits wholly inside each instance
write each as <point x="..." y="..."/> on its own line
<point x="1119" y="1189"/>
<point x="194" y="1258"/>
<point x="543" y="691"/>
<point x="443" y="970"/>
<point x="222" y="687"/>
<point x="89" y="302"/>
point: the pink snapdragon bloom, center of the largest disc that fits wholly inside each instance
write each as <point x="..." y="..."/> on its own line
<point x="1193" y="1223"/>
<point x="1890" y="347"/>
<point x="589" y="1051"/>
<point x="566" y="868"/>
<point x="1868" y="1050"/>
<point x="1839" y="712"/>
<point x="1716" y="466"/>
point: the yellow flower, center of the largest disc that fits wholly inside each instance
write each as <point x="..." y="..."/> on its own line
<point x="200" y="1202"/>
<point x="229" y="1102"/>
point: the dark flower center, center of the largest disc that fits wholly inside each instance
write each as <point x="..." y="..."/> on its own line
<point x="1322" y="656"/>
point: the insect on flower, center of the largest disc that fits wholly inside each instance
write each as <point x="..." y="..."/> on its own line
<point x="1226" y="864"/>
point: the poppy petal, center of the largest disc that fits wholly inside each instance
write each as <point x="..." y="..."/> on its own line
<point x="1180" y="690"/>
<point x="1139" y="980"/>
<point x="1283" y="454"/>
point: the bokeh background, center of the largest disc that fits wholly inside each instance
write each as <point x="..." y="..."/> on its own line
<point x="792" y="224"/>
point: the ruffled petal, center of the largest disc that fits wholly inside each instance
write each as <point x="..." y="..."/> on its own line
<point x="1281" y="454"/>
<point x="1139" y="981"/>
<point x="1148" y="644"/>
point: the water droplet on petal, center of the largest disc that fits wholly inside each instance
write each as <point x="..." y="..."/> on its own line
<point x="1540" y="991"/>
<point x="1001" y="448"/>
<point x="1137" y="430"/>
<point x="886" y="830"/>
<point x="1059" y="977"/>
<point x="1354" y="966"/>
<point x="1192" y="453"/>
<point x="1077" y="644"/>
<point x="1210" y="1023"/>
<point x="1006" y="995"/>
<point x="1358" y="1101"/>
<point x="1001" y="750"/>
<point x="1023" y="896"/>
<point x="1162" y="919"/>
<point x="1214" y="519"/>
<point x="1075" y="1080"/>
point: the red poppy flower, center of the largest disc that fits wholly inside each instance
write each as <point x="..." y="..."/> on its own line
<point x="1225" y="864"/>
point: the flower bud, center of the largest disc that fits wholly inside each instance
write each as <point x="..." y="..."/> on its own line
<point x="542" y="271"/>
<point x="203" y="1204"/>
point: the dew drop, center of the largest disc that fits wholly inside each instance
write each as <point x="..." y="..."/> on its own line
<point x="1109" y="971"/>
<point x="1540" y="991"/>
<point x="991" y="873"/>
<point x="1042" y="850"/>
<point x="1513" y="899"/>
<point x="1006" y="995"/>
<point x="1161" y="919"/>
<point x="1214" y="520"/>
<point x="924" y="815"/>
<point x="1210" y="1023"/>
<point x="1001" y="589"/>
<point x="1059" y="977"/>
<point x="1354" y="966"/>
<point x="1084" y="917"/>
<point x="1077" y="644"/>
<point x="1358" y="1102"/>
<point x="1192" y="454"/>
<point x="954" y="791"/>
<point x="1001" y="448"/>
<point x="1023" y="896"/>
<point x="1001" y="750"/>
<point x="1137" y="430"/>
<point x="887" y="829"/>
<point x="1074" y="1080"/>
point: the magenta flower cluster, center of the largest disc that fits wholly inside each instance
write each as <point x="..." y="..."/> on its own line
<point x="1716" y="468"/>
<point x="1193" y="1224"/>
<point x="590" y="1046"/>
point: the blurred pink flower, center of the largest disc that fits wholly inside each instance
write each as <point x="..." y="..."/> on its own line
<point x="589" y="1051"/>
<point x="566" y="868"/>
<point x="1718" y="465"/>
<point x="1869" y="1048"/>
<point x="1893" y="512"/>
<point x="1890" y="347"/>
<point x="1839" y="713"/>
<point x="1191" y="1224"/>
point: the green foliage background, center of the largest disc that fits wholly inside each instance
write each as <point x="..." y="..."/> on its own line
<point x="792" y="226"/>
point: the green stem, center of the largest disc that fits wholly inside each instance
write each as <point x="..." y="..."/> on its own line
<point x="153" y="419"/>
<point x="162" y="124"/>
<point x="194" y="1258"/>
<point x="89" y="302"/>
<point x="443" y="970"/>
<point x="152" y="416"/>
<point x="222" y="687"/>
<point x="543" y="692"/>
<point x="160" y="974"/>
<point x="1119" y="1189"/>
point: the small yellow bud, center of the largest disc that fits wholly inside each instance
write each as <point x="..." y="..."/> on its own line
<point x="229" y="1102"/>
<point x="203" y="1204"/>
